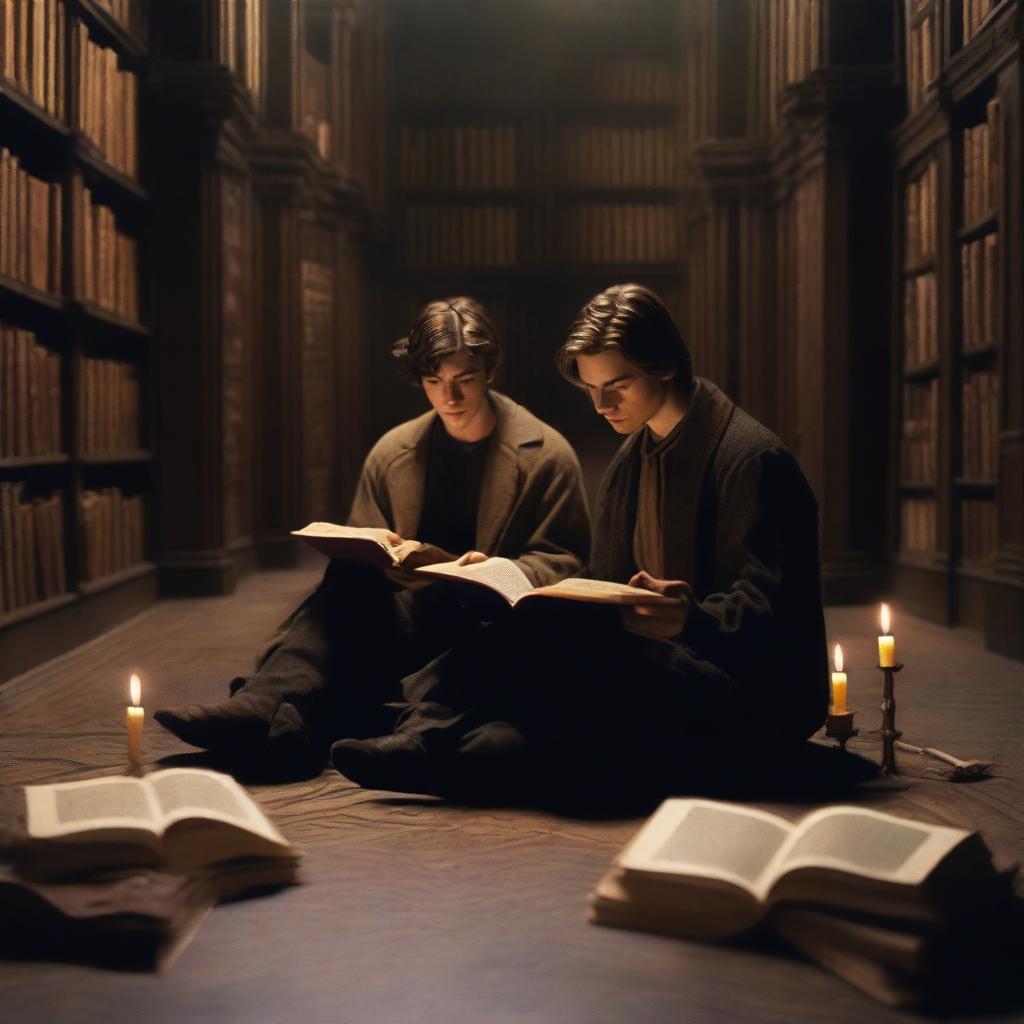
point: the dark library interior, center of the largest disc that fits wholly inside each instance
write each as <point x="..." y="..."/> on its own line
<point x="216" y="219"/>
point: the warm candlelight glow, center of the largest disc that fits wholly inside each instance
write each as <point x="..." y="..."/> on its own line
<point x="135" y="717"/>
<point x="838" y="683"/>
<point x="886" y="642"/>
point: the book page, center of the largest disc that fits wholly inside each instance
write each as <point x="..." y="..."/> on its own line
<point x="602" y="592"/>
<point x="501" y="575"/>
<point x="866" y="842"/>
<point x="197" y="792"/>
<point x="66" y="808"/>
<point x="706" y="838"/>
<point x="369" y="544"/>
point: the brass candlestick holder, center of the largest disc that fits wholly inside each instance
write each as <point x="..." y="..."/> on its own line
<point x="840" y="727"/>
<point x="890" y="734"/>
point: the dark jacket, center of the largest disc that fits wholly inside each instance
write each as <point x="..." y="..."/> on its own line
<point x="740" y="525"/>
<point x="532" y="506"/>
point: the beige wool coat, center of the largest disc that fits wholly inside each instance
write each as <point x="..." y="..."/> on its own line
<point x="532" y="505"/>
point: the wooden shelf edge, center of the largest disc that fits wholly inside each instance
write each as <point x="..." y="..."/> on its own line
<point x="970" y="484"/>
<point x="91" y="158"/>
<point x="28" y="461"/>
<point x="116" y="458"/>
<point x="922" y="371"/>
<point x="28" y="107"/>
<point x="928" y="266"/>
<point x="29" y="293"/>
<point x="30" y="611"/>
<point x="976" y="352"/>
<point x="984" y="225"/>
<point x="122" y="38"/>
<point x="910" y="488"/>
<point x="89" y="587"/>
<point x="104" y="317"/>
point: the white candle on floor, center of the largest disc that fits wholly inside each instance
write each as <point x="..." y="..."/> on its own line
<point x="134" y="718"/>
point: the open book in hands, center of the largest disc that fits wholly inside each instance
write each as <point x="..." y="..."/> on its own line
<point x="179" y="819"/>
<point x="504" y="577"/>
<point x="369" y="545"/>
<point x="710" y="870"/>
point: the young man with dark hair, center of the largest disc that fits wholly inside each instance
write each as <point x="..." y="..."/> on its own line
<point x="477" y="475"/>
<point x="700" y="502"/>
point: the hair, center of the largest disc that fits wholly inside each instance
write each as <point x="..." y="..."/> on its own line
<point x="631" y="318"/>
<point x="443" y="328"/>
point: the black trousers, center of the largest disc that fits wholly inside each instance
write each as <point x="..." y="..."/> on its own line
<point x="567" y="688"/>
<point x="341" y="656"/>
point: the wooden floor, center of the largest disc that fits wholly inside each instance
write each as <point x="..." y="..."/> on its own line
<point x="418" y="911"/>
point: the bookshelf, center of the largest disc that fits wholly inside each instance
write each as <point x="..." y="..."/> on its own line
<point x="958" y="367"/>
<point x="551" y="175"/>
<point x="75" y="438"/>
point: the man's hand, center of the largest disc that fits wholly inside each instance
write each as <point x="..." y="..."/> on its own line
<point x="471" y="558"/>
<point x="661" y="621"/>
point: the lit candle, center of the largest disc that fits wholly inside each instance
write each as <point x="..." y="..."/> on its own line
<point x="134" y="719"/>
<point x="838" y="684"/>
<point x="886" y="642"/>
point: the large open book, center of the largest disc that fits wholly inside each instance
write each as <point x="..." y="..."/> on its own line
<point x="369" y="545"/>
<point x="505" y="578"/>
<point x="179" y="819"/>
<point x="710" y="870"/>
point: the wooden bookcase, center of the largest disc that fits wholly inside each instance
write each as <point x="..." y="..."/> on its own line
<point x="530" y="167"/>
<point x="76" y="433"/>
<point x="957" y="362"/>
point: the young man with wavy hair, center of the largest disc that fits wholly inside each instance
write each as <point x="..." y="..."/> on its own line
<point x="700" y="502"/>
<point x="476" y="475"/>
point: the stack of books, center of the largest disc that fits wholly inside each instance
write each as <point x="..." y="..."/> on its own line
<point x="895" y="907"/>
<point x="121" y="871"/>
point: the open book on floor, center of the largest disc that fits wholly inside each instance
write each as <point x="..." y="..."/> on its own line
<point x="505" y="578"/>
<point x="709" y="870"/>
<point x="369" y="545"/>
<point x="179" y="819"/>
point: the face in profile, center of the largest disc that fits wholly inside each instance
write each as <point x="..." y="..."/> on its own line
<point x="458" y="393"/>
<point x="625" y="394"/>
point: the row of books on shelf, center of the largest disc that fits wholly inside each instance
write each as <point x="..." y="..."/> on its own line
<point x="919" y="444"/>
<point x="458" y="156"/>
<point x="240" y="38"/>
<point x="981" y="165"/>
<point x="920" y="321"/>
<point x="979" y="265"/>
<point x="620" y="233"/>
<point x="626" y="79"/>
<point x="31" y="547"/>
<point x="29" y="396"/>
<point x="794" y="37"/>
<point x="107" y="111"/>
<point x="32" y="51"/>
<point x="919" y="528"/>
<point x="600" y="156"/>
<point x="112" y="531"/>
<point x="980" y="414"/>
<point x="469" y="236"/>
<point x="921" y="216"/>
<point x="611" y="79"/>
<point x="315" y="118"/>
<point x="108" y="410"/>
<point x="921" y="62"/>
<point x="979" y="526"/>
<point x="108" y="263"/>
<point x="974" y="14"/>
<point x="30" y="226"/>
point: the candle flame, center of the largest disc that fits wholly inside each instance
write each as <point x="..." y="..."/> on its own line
<point x="136" y="688"/>
<point x="885" y="619"/>
<point x="837" y="657"/>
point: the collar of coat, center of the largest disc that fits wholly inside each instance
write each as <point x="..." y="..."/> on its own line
<point x="709" y="414"/>
<point x="516" y="431"/>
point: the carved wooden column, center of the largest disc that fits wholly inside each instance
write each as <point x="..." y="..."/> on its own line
<point x="202" y="126"/>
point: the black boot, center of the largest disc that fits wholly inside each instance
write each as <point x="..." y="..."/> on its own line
<point x="397" y="762"/>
